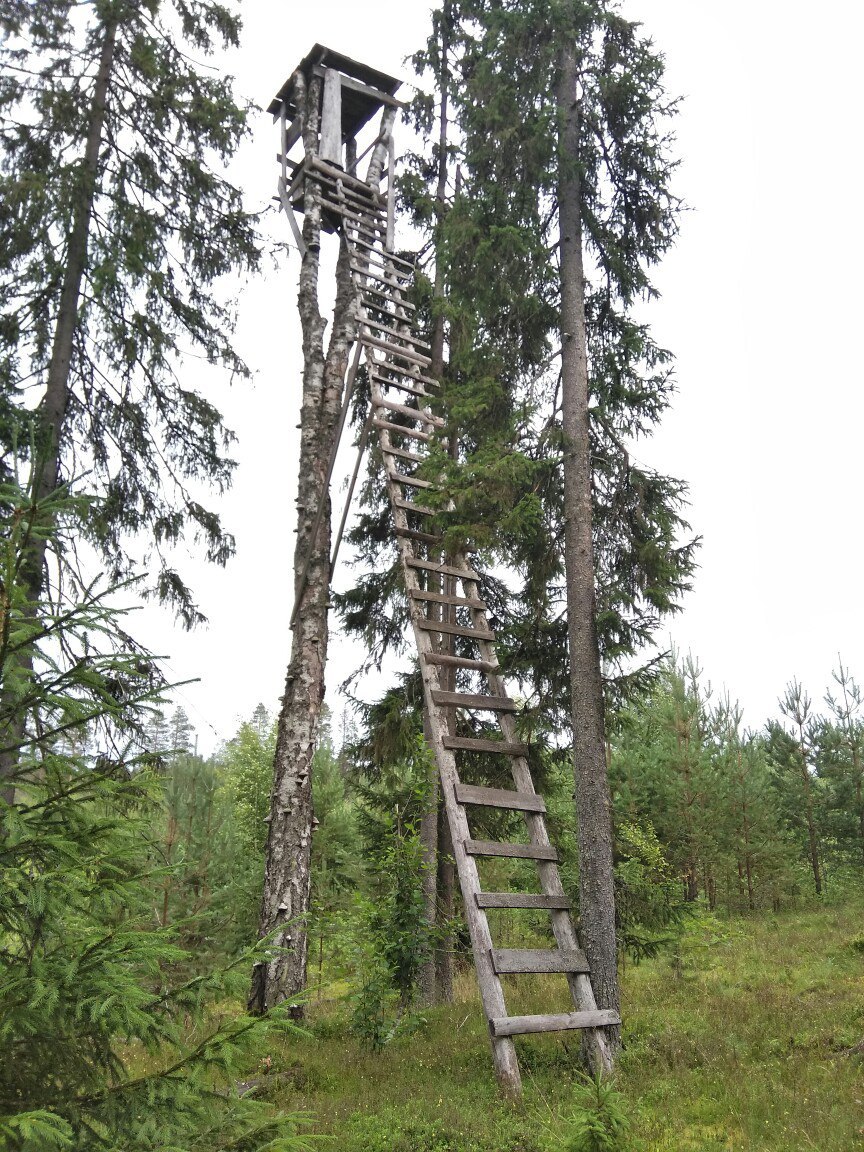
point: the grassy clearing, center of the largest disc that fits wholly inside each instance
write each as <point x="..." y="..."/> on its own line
<point x="740" y="1041"/>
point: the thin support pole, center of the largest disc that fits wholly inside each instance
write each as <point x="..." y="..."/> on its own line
<point x="349" y="388"/>
<point x="361" y="449"/>
<point x="391" y="192"/>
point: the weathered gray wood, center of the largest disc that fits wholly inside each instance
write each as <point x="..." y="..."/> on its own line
<point x="402" y="385"/>
<point x="395" y="350"/>
<point x="524" y="1025"/>
<point x="418" y="509"/>
<point x="444" y="569"/>
<point x="408" y="481"/>
<point x="521" y="900"/>
<point x="370" y="273"/>
<point x="391" y="195"/>
<point x="448" y="629"/>
<point x="289" y="212"/>
<point x="403" y="454"/>
<point x="403" y="430"/>
<point x="420" y="414"/>
<point x="358" y="86"/>
<point x="469" y="700"/>
<point x="444" y="598"/>
<point x="351" y="183"/>
<point x="397" y="333"/>
<point x="511" y="851"/>
<point x="371" y="248"/>
<point x="447" y="660"/>
<point x="500" y="798"/>
<point x="330" y="147"/>
<point x="420" y="537"/>
<point x="371" y="290"/>
<point x="414" y="374"/>
<point x="537" y="960"/>
<point x="477" y="744"/>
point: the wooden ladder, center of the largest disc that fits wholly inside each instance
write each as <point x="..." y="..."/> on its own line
<point x="445" y="604"/>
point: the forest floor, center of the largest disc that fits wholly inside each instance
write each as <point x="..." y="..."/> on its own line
<point x="743" y="1038"/>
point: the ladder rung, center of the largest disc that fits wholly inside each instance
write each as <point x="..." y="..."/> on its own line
<point x="500" y="798"/>
<point x="401" y="384"/>
<point x="460" y="662"/>
<point x="454" y="630"/>
<point x="420" y="537"/>
<point x="521" y="1025"/>
<point x="404" y="454"/>
<point x="394" y="286"/>
<point x="467" y="700"/>
<point x="511" y="851"/>
<point x="395" y="351"/>
<point x="410" y="373"/>
<point x="413" y="413"/>
<point x="521" y="900"/>
<point x="402" y="429"/>
<point x="334" y="173"/>
<point x="445" y="598"/>
<point x="383" y="254"/>
<point x="410" y="481"/>
<point x="509" y="960"/>
<point x="409" y="336"/>
<point x="475" y="744"/>
<point x="419" y="509"/>
<point x="368" y="290"/>
<point x="444" y="569"/>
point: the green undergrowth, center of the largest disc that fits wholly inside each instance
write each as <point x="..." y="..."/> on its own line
<point x="744" y="1038"/>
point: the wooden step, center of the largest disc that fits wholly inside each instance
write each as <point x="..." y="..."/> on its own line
<point x="368" y="274"/>
<point x="420" y="537"/>
<point x="476" y="744"/>
<point x="408" y="336"/>
<point x="395" y="351"/>
<point x="453" y="630"/>
<point x="521" y="900"/>
<point x="394" y="370"/>
<point x="375" y="249"/>
<point x="511" y="851"/>
<point x="368" y="290"/>
<point x="467" y="700"/>
<point x="444" y="598"/>
<point x="412" y="413"/>
<point x="443" y="569"/>
<point x="411" y="481"/>
<point x="500" y="798"/>
<point x="403" y="385"/>
<point x="449" y="661"/>
<point x="522" y="1025"/>
<point x="334" y="173"/>
<point x="419" y="509"/>
<point x="513" y="960"/>
<point x="403" y="454"/>
<point x="402" y="429"/>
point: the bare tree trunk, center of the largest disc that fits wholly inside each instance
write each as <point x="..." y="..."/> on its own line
<point x="593" y="801"/>
<point x="51" y="413"/>
<point x="286" y="898"/>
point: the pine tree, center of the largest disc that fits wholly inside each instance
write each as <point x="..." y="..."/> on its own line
<point x="840" y="753"/>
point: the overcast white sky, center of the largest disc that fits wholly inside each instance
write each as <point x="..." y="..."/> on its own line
<point x="761" y="303"/>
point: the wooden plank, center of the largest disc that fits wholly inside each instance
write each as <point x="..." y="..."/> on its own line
<point x="420" y="537"/>
<point x="368" y="290"/>
<point x="468" y="700"/>
<point x="409" y="481"/>
<point x="289" y="212"/>
<point x="395" y="332"/>
<point x="413" y="413"/>
<point x="500" y="798"/>
<point x="449" y="661"/>
<point x="512" y="960"/>
<point x="403" y="454"/>
<point x="445" y="598"/>
<point x="476" y="744"/>
<point x="417" y="509"/>
<point x="522" y="900"/>
<point x="511" y="851"/>
<point x="397" y="286"/>
<point x="396" y="351"/>
<point x="403" y="430"/>
<point x="444" y="569"/>
<point x="364" y="89"/>
<point x="336" y="174"/>
<point x="402" y="386"/>
<point x="330" y="142"/>
<point x="371" y="247"/>
<point x="453" y="630"/>
<point x="523" y="1025"/>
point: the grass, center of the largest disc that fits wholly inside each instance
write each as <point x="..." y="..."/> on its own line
<point x="740" y="1041"/>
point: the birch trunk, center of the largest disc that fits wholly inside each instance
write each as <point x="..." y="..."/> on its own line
<point x="51" y="414"/>
<point x="286" y="897"/>
<point x="593" y="801"/>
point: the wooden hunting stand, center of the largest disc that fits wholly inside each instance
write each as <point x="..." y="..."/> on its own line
<point x="455" y="643"/>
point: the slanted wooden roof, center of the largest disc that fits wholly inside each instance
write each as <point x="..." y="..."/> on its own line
<point x="360" y="100"/>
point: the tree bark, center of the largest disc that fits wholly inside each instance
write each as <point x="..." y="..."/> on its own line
<point x="592" y="794"/>
<point x="446" y="906"/>
<point x="54" y="405"/>
<point x="286" y="898"/>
